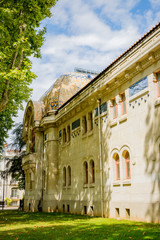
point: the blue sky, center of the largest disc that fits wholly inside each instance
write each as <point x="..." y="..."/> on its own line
<point x="89" y="34"/>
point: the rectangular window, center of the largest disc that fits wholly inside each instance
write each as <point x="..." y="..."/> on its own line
<point x="115" y="110"/>
<point x="123" y="104"/>
<point x="84" y="125"/>
<point x="85" y="209"/>
<point x="64" y="136"/>
<point x="128" y="174"/>
<point x="76" y="124"/>
<point x="138" y="86"/>
<point x="68" y="208"/>
<point x="103" y="107"/>
<point x="117" y="212"/>
<point x="14" y="193"/>
<point x="90" y="121"/>
<point x="60" y="134"/>
<point x="96" y="112"/>
<point x="68" y="134"/>
<point x="158" y="84"/>
<point x="63" y="208"/>
<point x="45" y="137"/>
<point x="128" y="214"/>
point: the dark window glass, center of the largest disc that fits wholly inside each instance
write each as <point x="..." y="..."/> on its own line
<point x="103" y="107"/>
<point x="76" y="124"/>
<point x="45" y="137"/>
<point x="96" y="112"/>
<point x="60" y="133"/>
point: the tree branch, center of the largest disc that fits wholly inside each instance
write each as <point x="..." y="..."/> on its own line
<point x="5" y="97"/>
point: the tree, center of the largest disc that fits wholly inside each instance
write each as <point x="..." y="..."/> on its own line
<point x="20" y="38"/>
<point x="14" y="164"/>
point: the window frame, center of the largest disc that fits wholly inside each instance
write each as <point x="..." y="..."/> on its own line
<point x="123" y="103"/>
<point x="64" y="177"/>
<point x="85" y="171"/>
<point x="115" y="108"/>
<point x="84" y="125"/>
<point x="92" y="171"/>
<point x="69" y="175"/>
<point x="68" y="133"/>
<point x="64" y="135"/>
<point x="117" y="168"/>
<point x="158" y="84"/>
<point x="14" y="192"/>
<point x="127" y="161"/>
<point x="90" y="121"/>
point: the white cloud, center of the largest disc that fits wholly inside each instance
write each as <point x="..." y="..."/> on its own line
<point x="89" y="34"/>
<point x="92" y="34"/>
<point x="155" y="3"/>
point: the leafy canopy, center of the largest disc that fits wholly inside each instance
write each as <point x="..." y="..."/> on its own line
<point x="20" y="38"/>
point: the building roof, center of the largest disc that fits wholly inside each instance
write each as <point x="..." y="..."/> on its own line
<point x="64" y="88"/>
<point x="114" y="62"/>
<point x="69" y="85"/>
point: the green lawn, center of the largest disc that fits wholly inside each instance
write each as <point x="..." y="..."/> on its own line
<point x="20" y="225"/>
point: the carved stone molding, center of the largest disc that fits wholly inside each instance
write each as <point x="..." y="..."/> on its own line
<point x="151" y="57"/>
<point x="139" y="66"/>
<point x="127" y="75"/>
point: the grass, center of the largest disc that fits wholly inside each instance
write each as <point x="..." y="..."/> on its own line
<point x="19" y="225"/>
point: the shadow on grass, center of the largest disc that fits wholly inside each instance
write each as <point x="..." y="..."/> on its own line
<point x="23" y="226"/>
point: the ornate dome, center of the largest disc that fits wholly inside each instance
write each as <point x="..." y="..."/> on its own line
<point x="64" y="88"/>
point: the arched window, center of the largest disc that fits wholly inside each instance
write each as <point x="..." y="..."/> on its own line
<point x="64" y="176"/>
<point x="85" y="170"/>
<point x="127" y="164"/>
<point x="117" y="166"/>
<point x="69" y="176"/>
<point x="92" y="171"/>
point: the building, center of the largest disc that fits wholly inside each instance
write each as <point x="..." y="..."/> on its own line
<point x="93" y="141"/>
<point x="8" y="185"/>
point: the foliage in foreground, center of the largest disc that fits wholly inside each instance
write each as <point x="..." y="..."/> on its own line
<point x="20" y="38"/>
<point x="23" y="226"/>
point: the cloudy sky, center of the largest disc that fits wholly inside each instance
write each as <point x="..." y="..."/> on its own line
<point x="89" y="34"/>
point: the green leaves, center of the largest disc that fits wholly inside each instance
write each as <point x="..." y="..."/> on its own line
<point x="20" y="38"/>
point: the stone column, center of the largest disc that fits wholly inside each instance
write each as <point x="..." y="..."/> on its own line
<point x="51" y="159"/>
<point x="39" y="167"/>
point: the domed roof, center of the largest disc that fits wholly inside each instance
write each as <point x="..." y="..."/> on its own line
<point x="64" y="88"/>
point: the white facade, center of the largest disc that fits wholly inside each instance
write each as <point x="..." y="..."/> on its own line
<point x="97" y="150"/>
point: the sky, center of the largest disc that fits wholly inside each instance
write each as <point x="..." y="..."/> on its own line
<point x="89" y="34"/>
